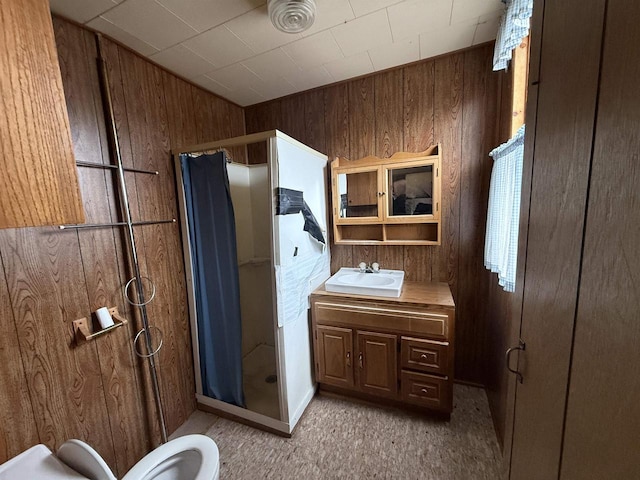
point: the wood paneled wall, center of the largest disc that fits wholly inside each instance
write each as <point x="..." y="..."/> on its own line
<point x="52" y="390"/>
<point x="451" y="99"/>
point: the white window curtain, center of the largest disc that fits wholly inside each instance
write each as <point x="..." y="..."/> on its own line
<point x="503" y="215"/>
<point x="514" y="26"/>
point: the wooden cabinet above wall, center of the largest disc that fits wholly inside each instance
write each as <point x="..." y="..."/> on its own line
<point x="392" y="201"/>
<point x="38" y="181"/>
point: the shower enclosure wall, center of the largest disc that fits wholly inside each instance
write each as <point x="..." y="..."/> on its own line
<point x="279" y="262"/>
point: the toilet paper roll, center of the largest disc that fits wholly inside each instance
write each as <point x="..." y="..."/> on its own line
<point x="104" y="317"/>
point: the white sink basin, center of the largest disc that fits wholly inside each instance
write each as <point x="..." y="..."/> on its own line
<point x="385" y="283"/>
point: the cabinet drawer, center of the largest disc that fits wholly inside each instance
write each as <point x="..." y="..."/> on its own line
<point x="429" y="323"/>
<point x="424" y="355"/>
<point x="426" y="390"/>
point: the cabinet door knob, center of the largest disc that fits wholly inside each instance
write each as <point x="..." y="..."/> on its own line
<point x="348" y="359"/>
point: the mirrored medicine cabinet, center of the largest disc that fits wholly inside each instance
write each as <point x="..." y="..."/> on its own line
<point x="394" y="201"/>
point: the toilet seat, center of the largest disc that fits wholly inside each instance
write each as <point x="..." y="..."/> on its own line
<point x="153" y="462"/>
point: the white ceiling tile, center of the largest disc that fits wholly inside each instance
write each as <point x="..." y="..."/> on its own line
<point x="272" y="64"/>
<point x="349" y="67"/>
<point x="256" y="30"/>
<point x="487" y="29"/>
<point x="102" y="25"/>
<point x="150" y="22"/>
<point x="245" y="97"/>
<point x="211" y="85"/>
<point x="315" y="50"/>
<point x="416" y="16"/>
<point x="204" y="14"/>
<point x="183" y="61"/>
<point x="448" y="39"/>
<point x="311" y="78"/>
<point x="363" y="33"/>
<point x="398" y="53"/>
<point x="275" y="88"/>
<point x="83" y="11"/>
<point x="468" y="9"/>
<point x="362" y="7"/>
<point x="329" y="14"/>
<point x="219" y="46"/>
<point x="235" y="77"/>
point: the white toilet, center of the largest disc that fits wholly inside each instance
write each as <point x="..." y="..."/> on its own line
<point x="192" y="457"/>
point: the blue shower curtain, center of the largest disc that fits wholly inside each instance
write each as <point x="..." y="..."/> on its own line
<point x="215" y="273"/>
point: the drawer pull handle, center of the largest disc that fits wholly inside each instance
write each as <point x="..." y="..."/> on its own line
<point x="361" y="360"/>
<point x="348" y="359"/>
<point x="423" y="356"/>
<point x="424" y="390"/>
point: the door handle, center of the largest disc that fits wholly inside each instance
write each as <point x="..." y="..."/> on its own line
<point x="348" y="359"/>
<point x="507" y="356"/>
<point x="361" y="360"/>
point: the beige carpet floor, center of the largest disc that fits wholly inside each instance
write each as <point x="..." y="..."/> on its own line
<point x="339" y="439"/>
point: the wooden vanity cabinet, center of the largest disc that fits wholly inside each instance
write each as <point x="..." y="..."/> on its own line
<point x="396" y="350"/>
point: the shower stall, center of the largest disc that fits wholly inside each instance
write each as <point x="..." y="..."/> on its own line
<point x="255" y="245"/>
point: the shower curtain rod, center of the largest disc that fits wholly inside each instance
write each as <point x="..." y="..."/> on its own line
<point x="229" y="142"/>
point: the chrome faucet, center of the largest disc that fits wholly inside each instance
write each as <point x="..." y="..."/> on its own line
<point x="370" y="268"/>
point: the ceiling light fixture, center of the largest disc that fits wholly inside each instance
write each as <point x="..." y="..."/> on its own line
<point x="292" y="16"/>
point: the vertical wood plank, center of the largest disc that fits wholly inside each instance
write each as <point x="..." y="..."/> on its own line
<point x="362" y="110"/>
<point x="258" y="119"/>
<point x="389" y="107"/>
<point x="314" y="120"/>
<point x="292" y="120"/>
<point x="336" y="122"/>
<point x="477" y="138"/>
<point x="362" y="139"/>
<point x="18" y="429"/>
<point x="448" y="131"/>
<point x="418" y="119"/>
<point x="418" y="93"/>
<point x="178" y="96"/>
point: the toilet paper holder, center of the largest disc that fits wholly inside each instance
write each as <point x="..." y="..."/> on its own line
<point x="82" y="330"/>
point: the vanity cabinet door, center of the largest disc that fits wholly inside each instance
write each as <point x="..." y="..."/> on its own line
<point x="357" y="195"/>
<point x="377" y="364"/>
<point x="335" y="355"/>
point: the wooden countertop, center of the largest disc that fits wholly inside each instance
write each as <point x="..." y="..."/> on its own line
<point x="421" y="293"/>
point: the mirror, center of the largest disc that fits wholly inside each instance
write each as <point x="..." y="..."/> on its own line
<point x="358" y="194"/>
<point x="411" y="191"/>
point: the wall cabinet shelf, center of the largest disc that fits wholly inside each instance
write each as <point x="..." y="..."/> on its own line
<point x="39" y="184"/>
<point x="390" y="201"/>
<point x="395" y="350"/>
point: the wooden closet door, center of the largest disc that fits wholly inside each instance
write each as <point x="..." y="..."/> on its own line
<point x="602" y="433"/>
<point x="569" y="69"/>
